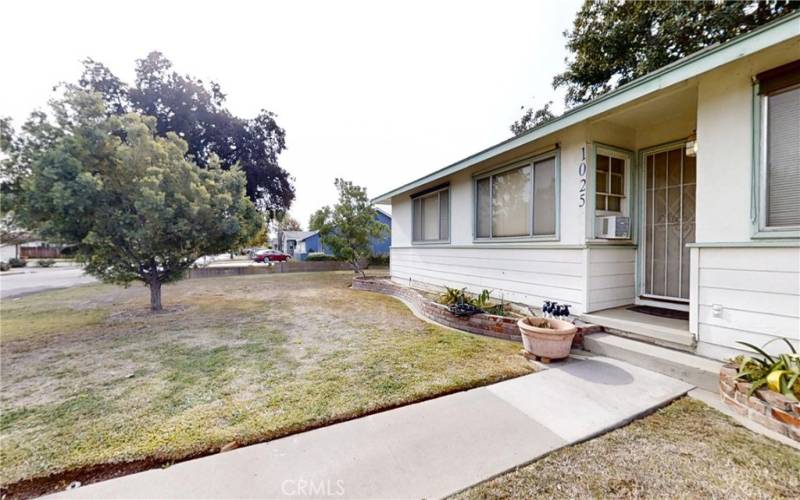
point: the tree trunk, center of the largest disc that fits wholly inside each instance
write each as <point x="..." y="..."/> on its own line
<point x="155" y="295"/>
<point x="357" y="268"/>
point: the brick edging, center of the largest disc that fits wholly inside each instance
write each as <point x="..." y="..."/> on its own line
<point x="481" y="324"/>
<point x="765" y="407"/>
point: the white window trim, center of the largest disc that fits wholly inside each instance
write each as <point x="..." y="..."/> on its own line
<point x="436" y="192"/>
<point x="761" y="229"/>
<point x="556" y="155"/>
<point x="626" y="181"/>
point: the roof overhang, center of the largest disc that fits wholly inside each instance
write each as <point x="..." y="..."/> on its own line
<point x="700" y="62"/>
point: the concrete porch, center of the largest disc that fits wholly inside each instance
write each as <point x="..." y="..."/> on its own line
<point x="667" y="332"/>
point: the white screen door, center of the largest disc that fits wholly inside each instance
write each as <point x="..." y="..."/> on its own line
<point x="669" y="220"/>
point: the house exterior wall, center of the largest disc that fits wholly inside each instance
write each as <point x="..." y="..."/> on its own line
<point x="741" y="287"/>
<point x="526" y="272"/>
<point x="747" y="294"/>
<point x="8" y="252"/>
<point x="753" y="284"/>
<point x="611" y="277"/>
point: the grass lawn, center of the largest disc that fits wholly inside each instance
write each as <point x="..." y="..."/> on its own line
<point x="90" y="376"/>
<point x="686" y="450"/>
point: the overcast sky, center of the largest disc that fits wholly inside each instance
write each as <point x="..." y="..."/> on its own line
<point x="377" y="92"/>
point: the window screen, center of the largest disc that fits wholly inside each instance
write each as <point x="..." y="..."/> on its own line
<point x="783" y="158"/>
<point x="780" y="93"/>
<point x="431" y="216"/>
<point x="517" y="202"/>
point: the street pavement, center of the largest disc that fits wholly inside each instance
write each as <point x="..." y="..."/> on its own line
<point x="24" y="281"/>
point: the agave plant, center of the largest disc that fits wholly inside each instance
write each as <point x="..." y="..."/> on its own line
<point x="452" y="296"/>
<point x="779" y="373"/>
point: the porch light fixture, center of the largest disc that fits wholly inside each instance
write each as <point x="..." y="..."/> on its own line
<point x="691" y="145"/>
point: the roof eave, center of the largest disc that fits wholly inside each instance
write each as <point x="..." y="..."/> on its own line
<point x="700" y="62"/>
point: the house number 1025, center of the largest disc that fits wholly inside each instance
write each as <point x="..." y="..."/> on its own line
<point x="582" y="180"/>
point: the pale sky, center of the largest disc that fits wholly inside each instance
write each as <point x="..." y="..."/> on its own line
<point x="377" y="92"/>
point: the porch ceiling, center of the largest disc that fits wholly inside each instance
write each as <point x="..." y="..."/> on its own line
<point x="679" y="105"/>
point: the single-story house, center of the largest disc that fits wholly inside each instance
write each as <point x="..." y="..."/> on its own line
<point x="679" y="191"/>
<point x="299" y="244"/>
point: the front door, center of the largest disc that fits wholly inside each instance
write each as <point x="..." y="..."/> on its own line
<point x="669" y="224"/>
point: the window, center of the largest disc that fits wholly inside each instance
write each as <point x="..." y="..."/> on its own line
<point x="779" y="159"/>
<point x="517" y="202"/>
<point x="431" y="216"/>
<point x="610" y="183"/>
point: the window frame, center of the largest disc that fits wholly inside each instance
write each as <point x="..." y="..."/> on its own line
<point x="758" y="208"/>
<point x="437" y="190"/>
<point x="628" y="203"/>
<point x="516" y="164"/>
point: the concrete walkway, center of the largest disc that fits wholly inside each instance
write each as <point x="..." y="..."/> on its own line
<point x="425" y="450"/>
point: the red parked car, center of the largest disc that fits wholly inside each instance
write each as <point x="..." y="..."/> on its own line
<point x="270" y="256"/>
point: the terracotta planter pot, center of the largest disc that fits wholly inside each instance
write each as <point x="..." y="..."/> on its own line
<point x="552" y="343"/>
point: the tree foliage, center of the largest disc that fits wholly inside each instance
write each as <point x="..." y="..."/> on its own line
<point x="136" y="206"/>
<point x="615" y="41"/>
<point x="285" y="222"/>
<point x="196" y="112"/>
<point x="532" y="118"/>
<point x="349" y="227"/>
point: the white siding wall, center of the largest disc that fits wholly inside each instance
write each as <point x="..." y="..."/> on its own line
<point x="525" y="275"/>
<point x="757" y="287"/>
<point x="612" y="277"/>
<point x="758" y="290"/>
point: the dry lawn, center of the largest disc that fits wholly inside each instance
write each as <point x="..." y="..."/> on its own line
<point x="89" y="376"/>
<point x="686" y="450"/>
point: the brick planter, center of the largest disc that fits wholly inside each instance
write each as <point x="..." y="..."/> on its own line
<point x="482" y="324"/>
<point x="765" y="407"/>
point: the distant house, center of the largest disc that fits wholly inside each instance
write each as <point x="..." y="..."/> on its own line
<point x="299" y="244"/>
<point x="8" y="252"/>
<point x="30" y="250"/>
<point x="381" y="246"/>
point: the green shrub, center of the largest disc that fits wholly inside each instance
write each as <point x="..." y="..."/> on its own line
<point x="482" y="301"/>
<point x="45" y="262"/>
<point x="15" y="262"/>
<point x="379" y="260"/>
<point x="779" y="373"/>
<point x="4" y="266"/>
<point x="319" y="257"/>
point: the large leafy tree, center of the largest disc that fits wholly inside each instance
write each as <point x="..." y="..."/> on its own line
<point x="349" y="227"/>
<point x="532" y="118"/>
<point x="615" y="41"/>
<point x="196" y="112"/>
<point x="136" y="206"/>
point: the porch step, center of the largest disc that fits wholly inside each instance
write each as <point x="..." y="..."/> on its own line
<point x="698" y="371"/>
<point x="666" y="332"/>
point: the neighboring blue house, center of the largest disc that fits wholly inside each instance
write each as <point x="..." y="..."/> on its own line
<point x="380" y="246"/>
<point x="299" y="244"/>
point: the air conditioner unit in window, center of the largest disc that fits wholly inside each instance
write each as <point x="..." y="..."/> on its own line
<point x="613" y="227"/>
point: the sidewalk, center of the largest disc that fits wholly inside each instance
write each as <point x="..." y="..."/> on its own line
<point x="426" y="450"/>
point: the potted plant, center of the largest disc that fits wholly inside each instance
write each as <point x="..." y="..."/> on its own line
<point x="546" y="338"/>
